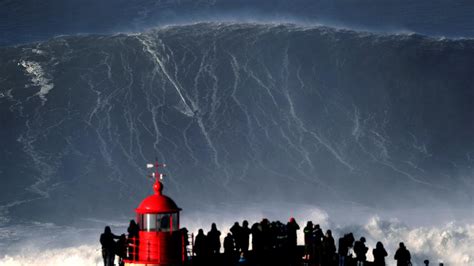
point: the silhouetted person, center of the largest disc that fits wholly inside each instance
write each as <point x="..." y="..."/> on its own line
<point x="108" y="246"/>
<point x="133" y="230"/>
<point x="291" y="228"/>
<point x="281" y="233"/>
<point x="329" y="249"/>
<point x="165" y="223"/>
<point x="379" y="253"/>
<point x="318" y="243"/>
<point x="245" y="236"/>
<point x="200" y="245"/>
<point x="266" y="235"/>
<point x="291" y="231"/>
<point x="121" y="249"/>
<point x="257" y="242"/>
<point x="345" y="243"/>
<point x="213" y="240"/>
<point x="360" y="251"/>
<point x="350" y="240"/>
<point x="318" y="234"/>
<point x="236" y="231"/>
<point x="426" y="262"/>
<point x="402" y="256"/>
<point x="275" y="233"/>
<point x="229" y="247"/>
<point x="342" y="251"/>
<point x="308" y="240"/>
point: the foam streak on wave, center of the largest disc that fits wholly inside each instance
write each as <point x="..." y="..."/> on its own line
<point x="38" y="78"/>
<point x="149" y="47"/>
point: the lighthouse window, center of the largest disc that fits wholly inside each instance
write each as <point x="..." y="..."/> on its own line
<point x="149" y="222"/>
<point x="163" y="222"/>
<point x="175" y="222"/>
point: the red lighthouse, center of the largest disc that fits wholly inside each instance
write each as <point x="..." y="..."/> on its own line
<point x="160" y="241"/>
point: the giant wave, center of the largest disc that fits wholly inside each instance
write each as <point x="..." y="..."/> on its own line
<point x="242" y="114"/>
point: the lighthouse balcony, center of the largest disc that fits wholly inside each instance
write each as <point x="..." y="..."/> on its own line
<point x="159" y="248"/>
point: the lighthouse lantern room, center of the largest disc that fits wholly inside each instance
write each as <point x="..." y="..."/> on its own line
<point x="160" y="241"/>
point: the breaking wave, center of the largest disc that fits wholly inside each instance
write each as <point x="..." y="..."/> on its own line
<point x="452" y="243"/>
<point x="241" y="114"/>
<point x="73" y="256"/>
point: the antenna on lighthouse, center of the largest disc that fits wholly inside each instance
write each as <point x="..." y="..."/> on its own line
<point x="156" y="174"/>
<point x="157" y="186"/>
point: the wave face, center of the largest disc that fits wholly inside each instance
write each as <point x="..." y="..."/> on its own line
<point x="241" y="113"/>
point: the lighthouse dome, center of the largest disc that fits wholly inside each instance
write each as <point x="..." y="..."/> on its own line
<point x="157" y="203"/>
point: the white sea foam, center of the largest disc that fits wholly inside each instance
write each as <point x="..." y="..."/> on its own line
<point x="38" y="78"/>
<point x="450" y="243"/>
<point x="74" y="256"/>
<point x="447" y="242"/>
<point x="38" y="51"/>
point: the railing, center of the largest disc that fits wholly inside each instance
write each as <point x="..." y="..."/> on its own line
<point x="153" y="249"/>
<point x="190" y="250"/>
<point x="187" y="244"/>
<point x="132" y="248"/>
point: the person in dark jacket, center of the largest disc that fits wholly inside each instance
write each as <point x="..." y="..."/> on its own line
<point x="121" y="249"/>
<point x="108" y="246"/>
<point x="133" y="230"/>
<point x="245" y="235"/>
<point x="291" y="228"/>
<point x="267" y="241"/>
<point x="213" y="240"/>
<point x="257" y="238"/>
<point x="229" y="247"/>
<point x="379" y="253"/>
<point x="360" y="250"/>
<point x="200" y="244"/>
<point x="308" y="240"/>
<point x="266" y="235"/>
<point x="345" y="243"/>
<point x="318" y="236"/>
<point x="342" y="251"/>
<point x="350" y="240"/>
<point x="329" y="249"/>
<point x="236" y="231"/>
<point x="402" y="256"/>
<point x="291" y="232"/>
